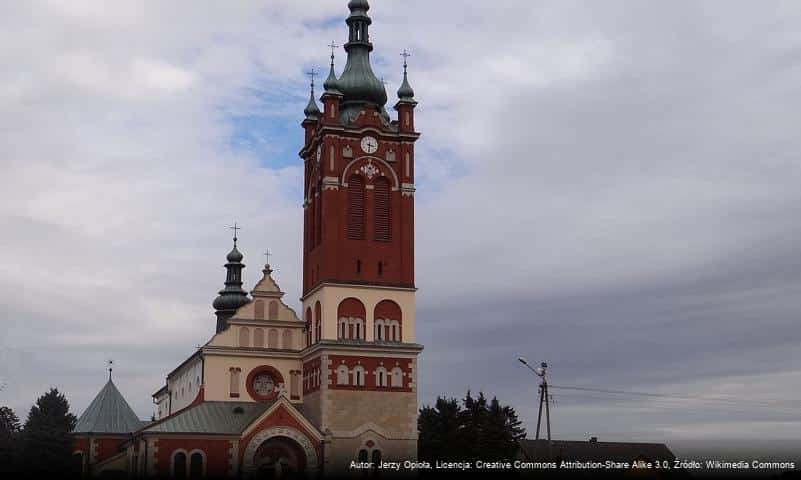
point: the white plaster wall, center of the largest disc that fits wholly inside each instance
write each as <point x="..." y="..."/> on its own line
<point x="330" y="296"/>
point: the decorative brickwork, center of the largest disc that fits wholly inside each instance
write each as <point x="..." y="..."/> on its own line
<point x="371" y="366"/>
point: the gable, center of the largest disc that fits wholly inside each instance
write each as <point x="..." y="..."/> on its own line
<point x="282" y="413"/>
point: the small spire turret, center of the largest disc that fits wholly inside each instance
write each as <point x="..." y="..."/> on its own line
<point x="405" y="92"/>
<point x="312" y="111"/>
<point x="331" y="83"/>
<point x="232" y="296"/>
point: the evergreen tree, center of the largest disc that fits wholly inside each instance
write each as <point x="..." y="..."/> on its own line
<point x="439" y="430"/>
<point x="9" y="441"/>
<point x="47" y="444"/>
<point x="475" y="430"/>
<point x="475" y="427"/>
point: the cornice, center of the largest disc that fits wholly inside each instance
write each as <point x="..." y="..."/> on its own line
<point x="379" y="348"/>
<point x="251" y="352"/>
<point x="267" y="323"/>
<point x="357" y="285"/>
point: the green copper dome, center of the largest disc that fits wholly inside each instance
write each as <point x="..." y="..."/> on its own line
<point x="311" y="111"/>
<point x="232" y="296"/>
<point x="234" y="255"/>
<point x="405" y="91"/>
<point x="331" y="83"/>
<point x="358" y="83"/>
<point x="358" y="5"/>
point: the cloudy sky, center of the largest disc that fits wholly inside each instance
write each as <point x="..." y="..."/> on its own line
<point x="609" y="186"/>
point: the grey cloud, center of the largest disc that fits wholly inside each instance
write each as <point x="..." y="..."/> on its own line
<point x="617" y="184"/>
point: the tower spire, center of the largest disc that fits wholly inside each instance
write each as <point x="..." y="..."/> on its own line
<point x="232" y="296"/>
<point x="331" y="84"/>
<point x="312" y="111"/>
<point x="405" y="92"/>
<point x="358" y="83"/>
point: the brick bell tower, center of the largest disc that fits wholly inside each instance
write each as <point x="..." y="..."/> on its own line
<point x="360" y="363"/>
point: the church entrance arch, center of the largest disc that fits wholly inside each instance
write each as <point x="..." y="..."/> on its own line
<point x="279" y="452"/>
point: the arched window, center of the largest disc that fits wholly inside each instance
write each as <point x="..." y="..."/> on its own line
<point x="376" y="459"/>
<point x="353" y="312"/>
<point x="286" y="340"/>
<point x="363" y="456"/>
<point x="383" y="231"/>
<point x="342" y="375"/>
<point x="388" y="314"/>
<point x="244" y="337"/>
<point x="381" y="377"/>
<point x="77" y="464"/>
<point x="196" y="465"/>
<point x="258" y="337"/>
<point x="272" y="338"/>
<point x="358" y="375"/>
<point x="379" y="330"/>
<point x="356" y="207"/>
<point x="397" y="377"/>
<point x="343" y="328"/>
<point x="179" y="465"/>
<point x="258" y="306"/>
<point x="273" y="310"/>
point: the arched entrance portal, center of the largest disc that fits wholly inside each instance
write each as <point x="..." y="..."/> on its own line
<point x="279" y="457"/>
<point x="279" y="452"/>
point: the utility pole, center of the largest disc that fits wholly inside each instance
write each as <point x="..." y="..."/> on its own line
<point x="544" y="397"/>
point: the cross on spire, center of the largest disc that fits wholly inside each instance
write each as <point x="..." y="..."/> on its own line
<point x="236" y="230"/>
<point x="110" y="364"/>
<point x="267" y="255"/>
<point x="333" y="45"/>
<point x="405" y="55"/>
<point x="312" y="73"/>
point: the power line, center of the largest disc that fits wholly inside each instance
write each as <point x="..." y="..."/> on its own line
<point x="661" y="403"/>
<point x="722" y="400"/>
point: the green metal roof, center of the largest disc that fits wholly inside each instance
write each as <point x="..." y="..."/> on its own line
<point x="222" y="418"/>
<point x="108" y="413"/>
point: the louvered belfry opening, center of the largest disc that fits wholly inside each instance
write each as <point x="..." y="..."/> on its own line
<point x="383" y="231"/>
<point x="356" y="208"/>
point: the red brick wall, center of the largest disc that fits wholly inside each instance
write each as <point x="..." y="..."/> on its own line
<point x="334" y="259"/>
<point x="217" y="454"/>
<point x="370" y="364"/>
<point x="107" y="447"/>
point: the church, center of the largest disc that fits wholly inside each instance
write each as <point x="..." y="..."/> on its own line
<point x="275" y="393"/>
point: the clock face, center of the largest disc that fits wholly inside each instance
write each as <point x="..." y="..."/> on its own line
<point x="369" y="144"/>
<point x="319" y="153"/>
<point x="263" y="385"/>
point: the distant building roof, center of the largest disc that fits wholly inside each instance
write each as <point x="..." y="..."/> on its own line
<point x="108" y="413"/>
<point x="593" y="450"/>
<point x="222" y="418"/>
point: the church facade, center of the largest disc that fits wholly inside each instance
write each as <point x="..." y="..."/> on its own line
<point x="274" y="392"/>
